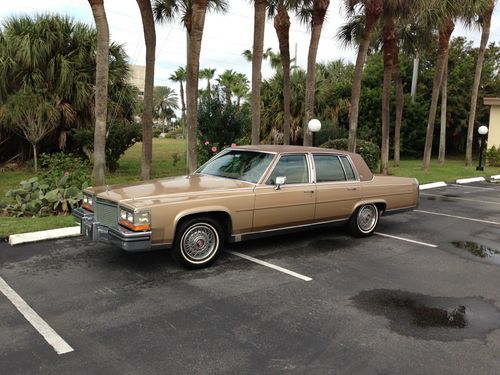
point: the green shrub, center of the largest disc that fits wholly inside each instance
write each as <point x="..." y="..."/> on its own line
<point x="61" y="164"/>
<point x="493" y="157"/>
<point x="156" y="133"/>
<point x="120" y="137"/>
<point x="368" y="150"/>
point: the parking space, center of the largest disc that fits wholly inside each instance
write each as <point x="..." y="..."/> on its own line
<point x="417" y="297"/>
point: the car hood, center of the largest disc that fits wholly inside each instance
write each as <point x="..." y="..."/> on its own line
<point x="190" y="184"/>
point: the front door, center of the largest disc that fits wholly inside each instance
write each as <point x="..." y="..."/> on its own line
<point x="290" y="205"/>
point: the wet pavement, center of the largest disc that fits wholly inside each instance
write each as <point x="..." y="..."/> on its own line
<point x="377" y="305"/>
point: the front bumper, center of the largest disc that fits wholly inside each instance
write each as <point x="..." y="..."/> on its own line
<point x="126" y="239"/>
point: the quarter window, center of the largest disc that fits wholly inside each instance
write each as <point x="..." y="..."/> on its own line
<point x="293" y="167"/>
<point x="348" y="168"/>
<point x="328" y="168"/>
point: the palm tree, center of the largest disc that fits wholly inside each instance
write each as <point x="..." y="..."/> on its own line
<point x="314" y="15"/>
<point x="443" y="15"/>
<point x="165" y="102"/>
<point x="101" y="91"/>
<point x="257" y="56"/>
<point x="148" y="25"/>
<point x="208" y="74"/>
<point x="485" y="20"/>
<point x="372" y="10"/>
<point x="180" y="76"/>
<point x="192" y="13"/>
<point x="240" y="88"/>
<point x="227" y="80"/>
<point x="278" y="9"/>
<point x="444" y="106"/>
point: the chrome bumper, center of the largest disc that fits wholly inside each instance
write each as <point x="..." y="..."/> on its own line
<point x="121" y="237"/>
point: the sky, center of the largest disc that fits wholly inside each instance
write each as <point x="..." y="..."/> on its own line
<point x="224" y="39"/>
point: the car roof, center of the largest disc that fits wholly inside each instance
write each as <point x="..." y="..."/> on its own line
<point x="288" y="148"/>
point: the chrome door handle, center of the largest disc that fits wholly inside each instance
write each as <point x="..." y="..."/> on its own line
<point x="309" y="191"/>
<point x="352" y="189"/>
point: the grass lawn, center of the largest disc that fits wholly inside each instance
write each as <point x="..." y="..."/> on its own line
<point x="164" y="152"/>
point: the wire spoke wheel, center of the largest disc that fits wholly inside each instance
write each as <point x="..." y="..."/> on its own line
<point x="199" y="241"/>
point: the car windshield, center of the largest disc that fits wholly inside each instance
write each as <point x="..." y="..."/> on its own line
<point x="239" y="165"/>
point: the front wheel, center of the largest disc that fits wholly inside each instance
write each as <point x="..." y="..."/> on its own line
<point x="198" y="242"/>
<point x="364" y="220"/>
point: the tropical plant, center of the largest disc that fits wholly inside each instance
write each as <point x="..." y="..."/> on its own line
<point x="101" y="89"/>
<point x="443" y="15"/>
<point x="180" y="76"/>
<point x="165" y="102"/>
<point x="33" y="115"/>
<point x="192" y="13"/>
<point x="278" y="11"/>
<point x="313" y="14"/>
<point x="208" y="74"/>
<point x="372" y="10"/>
<point x="148" y="25"/>
<point x="259" y="23"/>
<point x="485" y="22"/>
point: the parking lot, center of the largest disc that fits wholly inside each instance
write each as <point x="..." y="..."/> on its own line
<point x="415" y="298"/>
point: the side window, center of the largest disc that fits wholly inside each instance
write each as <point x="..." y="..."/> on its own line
<point x="348" y="168"/>
<point x="328" y="168"/>
<point x="293" y="167"/>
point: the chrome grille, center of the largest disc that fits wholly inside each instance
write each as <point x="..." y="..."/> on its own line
<point x="106" y="213"/>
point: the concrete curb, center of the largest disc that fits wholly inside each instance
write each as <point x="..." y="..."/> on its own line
<point x="433" y="185"/>
<point x="495" y="177"/>
<point x="469" y="180"/>
<point x="16" y="239"/>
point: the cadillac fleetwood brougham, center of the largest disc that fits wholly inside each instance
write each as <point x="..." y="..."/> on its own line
<point x="244" y="192"/>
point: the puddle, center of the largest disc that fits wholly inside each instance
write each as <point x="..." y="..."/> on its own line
<point x="488" y="253"/>
<point x="431" y="318"/>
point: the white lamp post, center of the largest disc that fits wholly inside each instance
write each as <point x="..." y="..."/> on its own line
<point x="483" y="130"/>
<point x="314" y="126"/>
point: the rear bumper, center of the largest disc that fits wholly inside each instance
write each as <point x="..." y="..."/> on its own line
<point x="120" y="237"/>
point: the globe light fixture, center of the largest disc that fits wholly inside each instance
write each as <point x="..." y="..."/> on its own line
<point x="314" y="126"/>
<point x="483" y="130"/>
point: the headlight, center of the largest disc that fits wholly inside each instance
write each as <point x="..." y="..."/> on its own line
<point x="138" y="221"/>
<point x="87" y="202"/>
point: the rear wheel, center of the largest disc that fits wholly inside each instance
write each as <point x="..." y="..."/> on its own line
<point x="364" y="220"/>
<point x="198" y="242"/>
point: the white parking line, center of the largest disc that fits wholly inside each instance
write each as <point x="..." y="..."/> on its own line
<point x="405" y="239"/>
<point x="459" y="217"/>
<point x="51" y="336"/>
<point x="274" y="267"/>
<point x="459" y="198"/>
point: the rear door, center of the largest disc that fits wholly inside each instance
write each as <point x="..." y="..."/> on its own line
<point x="337" y="187"/>
<point x="293" y="203"/>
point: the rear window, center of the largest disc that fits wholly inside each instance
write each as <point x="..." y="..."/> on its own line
<point x="328" y="168"/>
<point x="348" y="168"/>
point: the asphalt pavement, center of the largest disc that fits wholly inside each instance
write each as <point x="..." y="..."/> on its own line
<point x="421" y="296"/>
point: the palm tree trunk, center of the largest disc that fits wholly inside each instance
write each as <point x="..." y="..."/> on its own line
<point x="101" y="92"/>
<point x="257" y="55"/>
<point x="319" y="10"/>
<point x="444" y="105"/>
<point x="183" y="102"/>
<point x="443" y="45"/>
<point x="477" y="79"/>
<point x="399" y="109"/>
<point x="414" y="79"/>
<point x="193" y="70"/>
<point x="372" y="14"/>
<point x="148" y="25"/>
<point x="282" y="26"/>
<point x="390" y="49"/>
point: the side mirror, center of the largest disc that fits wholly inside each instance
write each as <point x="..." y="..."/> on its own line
<point x="281" y="180"/>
